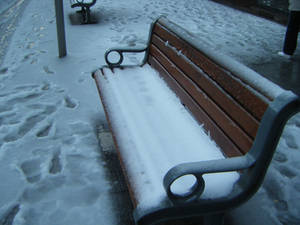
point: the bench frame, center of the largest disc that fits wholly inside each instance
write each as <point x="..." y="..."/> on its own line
<point x="85" y="9"/>
<point x="254" y="164"/>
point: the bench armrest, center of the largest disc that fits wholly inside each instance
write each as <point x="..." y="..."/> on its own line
<point x="197" y="169"/>
<point x="120" y="51"/>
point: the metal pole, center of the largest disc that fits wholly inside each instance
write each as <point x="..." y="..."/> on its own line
<point x="60" y="26"/>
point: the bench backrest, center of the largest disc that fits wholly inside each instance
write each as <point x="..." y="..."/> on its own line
<point x="229" y="108"/>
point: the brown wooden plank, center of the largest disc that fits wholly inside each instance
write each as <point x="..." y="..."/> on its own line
<point x="246" y="97"/>
<point x="247" y="122"/>
<point x="227" y="146"/>
<point x="234" y="132"/>
<point x="238" y="114"/>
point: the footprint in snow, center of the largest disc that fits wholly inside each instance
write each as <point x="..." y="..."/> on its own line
<point x="45" y="87"/>
<point x="47" y="70"/>
<point x="291" y="142"/>
<point x="280" y="157"/>
<point x="43" y="188"/>
<point x="44" y="131"/>
<point x="5" y="108"/>
<point x="55" y="165"/>
<point x="26" y="87"/>
<point x="20" y="95"/>
<point x="30" y="45"/>
<point x="81" y="80"/>
<point x="11" y="137"/>
<point x="32" y="170"/>
<point x="3" y="71"/>
<point x="129" y="40"/>
<point x="21" y="114"/>
<point x="8" y="217"/>
<point x="46" y="109"/>
<point x="69" y="102"/>
<point x="30" y="123"/>
<point x="22" y="99"/>
<point x="27" y="57"/>
<point x="285" y="171"/>
<point x="281" y="205"/>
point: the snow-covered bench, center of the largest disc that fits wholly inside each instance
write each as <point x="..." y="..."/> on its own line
<point x="85" y="8"/>
<point x="195" y="131"/>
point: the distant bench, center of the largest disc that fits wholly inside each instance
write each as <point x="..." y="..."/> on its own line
<point x="85" y="9"/>
<point x="161" y="148"/>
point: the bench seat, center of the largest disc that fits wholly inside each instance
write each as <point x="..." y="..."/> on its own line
<point x="158" y="128"/>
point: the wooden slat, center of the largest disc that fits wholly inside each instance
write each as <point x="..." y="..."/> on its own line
<point x="228" y="147"/>
<point x="249" y="100"/>
<point x="212" y="89"/>
<point x="247" y="122"/>
<point x="238" y="136"/>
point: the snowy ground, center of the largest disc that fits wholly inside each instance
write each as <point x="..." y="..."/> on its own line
<point x="51" y="166"/>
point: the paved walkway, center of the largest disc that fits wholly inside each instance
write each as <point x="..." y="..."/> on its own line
<point x="286" y="73"/>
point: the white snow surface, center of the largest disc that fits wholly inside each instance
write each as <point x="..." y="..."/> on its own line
<point x="50" y="161"/>
<point x="155" y="133"/>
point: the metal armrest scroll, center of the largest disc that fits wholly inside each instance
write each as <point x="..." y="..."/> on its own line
<point x="197" y="169"/>
<point x="120" y="51"/>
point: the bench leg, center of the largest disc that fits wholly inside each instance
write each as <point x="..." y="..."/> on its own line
<point x="86" y="15"/>
<point x="89" y="15"/>
<point x="83" y="14"/>
<point x="214" y="219"/>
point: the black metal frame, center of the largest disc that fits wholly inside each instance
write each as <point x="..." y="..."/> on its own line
<point x="120" y="51"/>
<point x="85" y="9"/>
<point x="254" y="164"/>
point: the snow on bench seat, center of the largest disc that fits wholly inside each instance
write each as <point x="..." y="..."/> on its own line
<point x="155" y="132"/>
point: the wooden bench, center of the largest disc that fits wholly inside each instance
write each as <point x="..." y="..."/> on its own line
<point x="240" y="110"/>
<point x="85" y="9"/>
